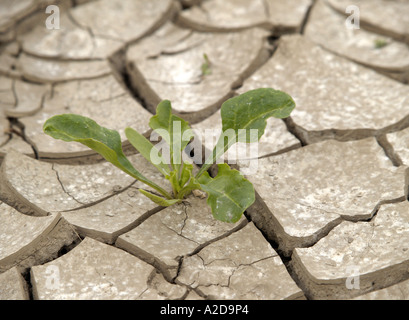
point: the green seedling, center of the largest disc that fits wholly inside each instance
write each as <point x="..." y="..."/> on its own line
<point x="229" y="193"/>
<point x="206" y="66"/>
<point x="380" y="43"/>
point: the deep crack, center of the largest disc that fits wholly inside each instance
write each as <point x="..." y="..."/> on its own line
<point x="18" y="128"/>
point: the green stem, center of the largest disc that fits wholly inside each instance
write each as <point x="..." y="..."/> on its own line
<point x="152" y="185"/>
<point x="175" y="188"/>
<point x="181" y="167"/>
<point x="160" y="190"/>
<point x="219" y="150"/>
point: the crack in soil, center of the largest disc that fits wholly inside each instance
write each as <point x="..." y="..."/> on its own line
<point x="307" y="17"/>
<point x="63" y="187"/>
<point x="389" y="150"/>
<point x="307" y="137"/>
<point x="86" y="205"/>
<point x="18" y="128"/>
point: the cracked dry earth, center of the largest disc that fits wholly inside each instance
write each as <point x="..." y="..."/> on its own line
<point x="331" y="219"/>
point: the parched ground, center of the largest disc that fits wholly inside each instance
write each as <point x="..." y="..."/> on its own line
<point x="331" y="219"/>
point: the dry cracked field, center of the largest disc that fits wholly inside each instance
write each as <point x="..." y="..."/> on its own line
<point x="331" y="217"/>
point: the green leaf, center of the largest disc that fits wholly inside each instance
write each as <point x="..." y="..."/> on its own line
<point x="145" y="147"/>
<point x="244" y="114"/>
<point x="174" y="130"/>
<point x="173" y="179"/>
<point x="206" y="66"/>
<point x="250" y="110"/>
<point x="230" y="194"/>
<point x="186" y="173"/>
<point x="187" y="189"/>
<point x="188" y="182"/>
<point x="72" y="127"/>
<point x="159" y="200"/>
<point x="380" y="43"/>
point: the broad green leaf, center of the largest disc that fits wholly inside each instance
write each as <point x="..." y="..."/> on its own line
<point x="244" y="118"/>
<point x="230" y="194"/>
<point x="159" y="200"/>
<point x="174" y="130"/>
<point x="72" y="127"/>
<point x="144" y="146"/>
<point x="250" y="110"/>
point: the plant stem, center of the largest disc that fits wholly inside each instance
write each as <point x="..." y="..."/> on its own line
<point x="219" y="150"/>
<point x="154" y="186"/>
<point x="182" y="166"/>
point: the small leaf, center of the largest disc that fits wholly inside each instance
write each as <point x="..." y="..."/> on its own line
<point x="159" y="200"/>
<point x="187" y="189"/>
<point x="145" y="147"/>
<point x="193" y="184"/>
<point x="186" y="173"/>
<point x="380" y="43"/>
<point x="187" y="181"/>
<point x="174" y="130"/>
<point x="230" y="194"/>
<point x="72" y="127"/>
<point x="173" y="179"/>
<point x="206" y="66"/>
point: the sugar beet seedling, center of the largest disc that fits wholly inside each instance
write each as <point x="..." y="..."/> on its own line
<point x="229" y="192"/>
